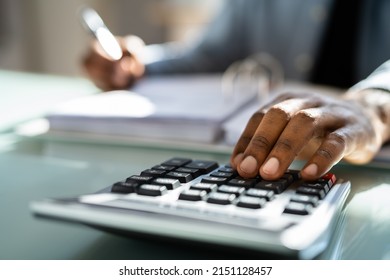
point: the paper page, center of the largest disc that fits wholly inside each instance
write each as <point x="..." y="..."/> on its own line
<point x="193" y="98"/>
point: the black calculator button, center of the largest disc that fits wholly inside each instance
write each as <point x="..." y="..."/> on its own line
<point x="241" y="182"/>
<point x="194" y="172"/>
<point x="140" y="179"/>
<point x="311" y="191"/>
<point x="152" y="190"/>
<point x="177" y="162"/>
<point x="220" y="198"/>
<point x="125" y="187"/>
<point x="204" y="187"/>
<point x="169" y="183"/>
<point x="166" y="168"/>
<point x="222" y="174"/>
<point x="226" y="168"/>
<point x="231" y="189"/>
<point x="214" y="180"/>
<point x="192" y="195"/>
<point x="181" y="176"/>
<point x="251" y="202"/>
<point x="266" y="194"/>
<point x="277" y="186"/>
<point x="289" y="178"/>
<point x="317" y="185"/>
<point x="203" y="165"/>
<point x="301" y="198"/>
<point x="298" y="208"/>
<point x="153" y="172"/>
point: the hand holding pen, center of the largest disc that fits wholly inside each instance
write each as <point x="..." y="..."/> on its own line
<point x="109" y="62"/>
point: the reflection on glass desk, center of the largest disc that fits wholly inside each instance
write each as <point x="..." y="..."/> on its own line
<point x="33" y="169"/>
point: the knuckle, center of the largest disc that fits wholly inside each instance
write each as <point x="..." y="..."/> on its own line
<point x="244" y="140"/>
<point x="278" y="113"/>
<point x="257" y="116"/>
<point x="259" y="142"/>
<point x="305" y="117"/>
<point x="335" y="146"/>
<point x="337" y="139"/>
<point x="325" y="153"/>
<point x="285" y="145"/>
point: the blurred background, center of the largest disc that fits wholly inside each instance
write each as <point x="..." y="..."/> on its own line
<point x="46" y="36"/>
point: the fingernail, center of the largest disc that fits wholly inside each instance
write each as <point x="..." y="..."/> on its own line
<point x="249" y="165"/>
<point x="311" y="169"/>
<point x="271" y="166"/>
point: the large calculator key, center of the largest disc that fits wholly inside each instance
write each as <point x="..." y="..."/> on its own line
<point x="317" y="185"/>
<point x="298" y="208"/>
<point x="169" y="183"/>
<point x="192" y="195"/>
<point x="277" y="186"/>
<point x="309" y="199"/>
<point x="288" y="177"/>
<point x="139" y="179"/>
<point x="181" y="176"/>
<point x="220" y="198"/>
<point x="266" y="194"/>
<point x="153" y="173"/>
<point x="222" y="174"/>
<point x="125" y="187"/>
<point x="177" y="162"/>
<point x="204" y="187"/>
<point x="214" y="180"/>
<point x="194" y="172"/>
<point x="241" y="182"/>
<point x="152" y="190"/>
<point x="227" y="168"/>
<point x="311" y="191"/>
<point x="231" y="189"/>
<point x="203" y="165"/>
<point x="251" y="202"/>
<point x="165" y="168"/>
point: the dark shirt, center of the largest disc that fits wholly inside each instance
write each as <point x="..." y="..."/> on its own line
<point x="336" y="61"/>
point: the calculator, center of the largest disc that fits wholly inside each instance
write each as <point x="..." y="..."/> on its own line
<point x="204" y="201"/>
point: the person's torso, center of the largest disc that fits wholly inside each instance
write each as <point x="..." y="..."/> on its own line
<point x="324" y="41"/>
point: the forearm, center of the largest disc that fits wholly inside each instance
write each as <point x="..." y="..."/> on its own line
<point x="375" y="106"/>
<point x="373" y="94"/>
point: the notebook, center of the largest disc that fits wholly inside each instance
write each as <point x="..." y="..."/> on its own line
<point x="189" y="108"/>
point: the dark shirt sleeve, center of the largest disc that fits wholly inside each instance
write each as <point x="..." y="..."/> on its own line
<point x="218" y="47"/>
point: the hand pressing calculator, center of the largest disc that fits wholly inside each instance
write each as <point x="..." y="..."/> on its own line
<point x="203" y="201"/>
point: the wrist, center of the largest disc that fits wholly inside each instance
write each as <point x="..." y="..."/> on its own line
<point x="377" y="103"/>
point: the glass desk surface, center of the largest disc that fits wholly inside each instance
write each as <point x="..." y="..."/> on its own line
<point x="34" y="169"/>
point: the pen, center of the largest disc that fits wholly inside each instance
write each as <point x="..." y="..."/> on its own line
<point x="92" y="22"/>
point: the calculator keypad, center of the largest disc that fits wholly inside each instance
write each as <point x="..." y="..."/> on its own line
<point x="198" y="181"/>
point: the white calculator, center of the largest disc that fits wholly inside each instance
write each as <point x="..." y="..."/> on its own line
<point x="203" y="201"/>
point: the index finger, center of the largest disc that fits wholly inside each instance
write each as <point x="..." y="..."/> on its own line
<point x="267" y="133"/>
